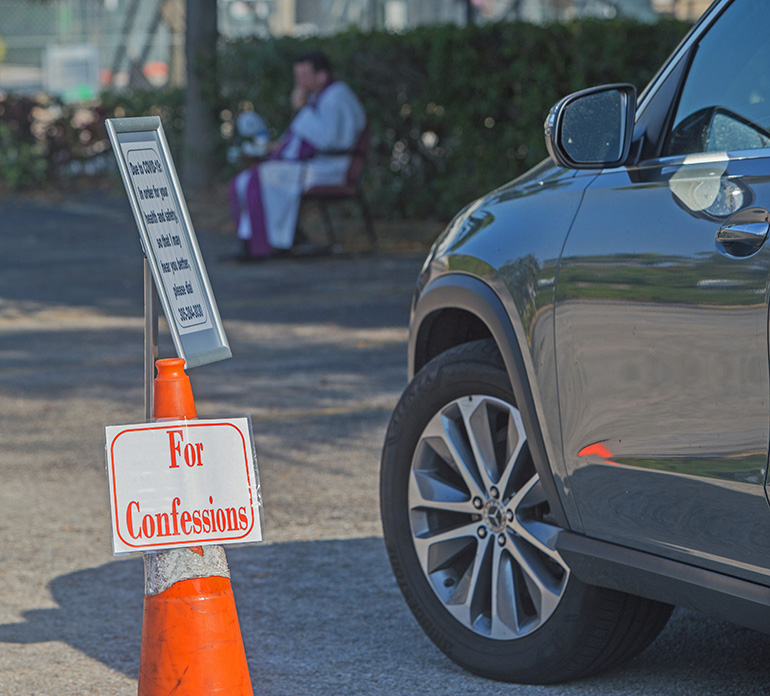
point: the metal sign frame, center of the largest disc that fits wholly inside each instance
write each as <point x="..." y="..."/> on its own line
<point x="168" y="240"/>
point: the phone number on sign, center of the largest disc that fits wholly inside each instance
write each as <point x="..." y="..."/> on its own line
<point x="187" y="313"/>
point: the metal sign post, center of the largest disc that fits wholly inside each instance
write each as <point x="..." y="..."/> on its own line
<point x="150" y="338"/>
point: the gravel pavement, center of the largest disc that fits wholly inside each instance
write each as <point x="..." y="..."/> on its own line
<point x="319" y="360"/>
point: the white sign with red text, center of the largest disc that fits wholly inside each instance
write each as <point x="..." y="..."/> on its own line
<point x="182" y="483"/>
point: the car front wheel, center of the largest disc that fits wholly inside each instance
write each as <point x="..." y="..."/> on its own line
<point x="470" y="538"/>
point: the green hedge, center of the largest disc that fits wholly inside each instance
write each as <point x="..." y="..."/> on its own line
<point x="455" y="111"/>
<point x="44" y="140"/>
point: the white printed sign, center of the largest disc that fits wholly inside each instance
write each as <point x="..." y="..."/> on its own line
<point x="168" y="238"/>
<point x="170" y="247"/>
<point x="182" y="483"/>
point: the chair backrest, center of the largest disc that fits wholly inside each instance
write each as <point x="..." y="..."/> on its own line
<point x="358" y="159"/>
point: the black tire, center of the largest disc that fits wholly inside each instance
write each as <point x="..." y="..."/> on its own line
<point x="479" y="571"/>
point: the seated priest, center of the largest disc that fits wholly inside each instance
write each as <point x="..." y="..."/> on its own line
<point x="328" y="121"/>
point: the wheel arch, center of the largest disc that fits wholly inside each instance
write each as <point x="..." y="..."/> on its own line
<point x="458" y="308"/>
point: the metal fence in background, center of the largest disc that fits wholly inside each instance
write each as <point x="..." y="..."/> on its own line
<point x="83" y="45"/>
<point x="131" y="42"/>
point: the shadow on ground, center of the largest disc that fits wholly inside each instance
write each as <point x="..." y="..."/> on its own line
<point x="311" y="613"/>
<point x="326" y="617"/>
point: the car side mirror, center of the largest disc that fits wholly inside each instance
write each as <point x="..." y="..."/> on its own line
<point x="592" y="129"/>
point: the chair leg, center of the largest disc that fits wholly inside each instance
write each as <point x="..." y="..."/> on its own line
<point x="368" y="222"/>
<point x="300" y="236"/>
<point x="327" y="220"/>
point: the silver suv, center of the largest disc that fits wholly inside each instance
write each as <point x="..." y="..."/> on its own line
<point x="584" y="440"/>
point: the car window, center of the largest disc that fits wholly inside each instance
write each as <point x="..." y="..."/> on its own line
<point x="725" y="101"/>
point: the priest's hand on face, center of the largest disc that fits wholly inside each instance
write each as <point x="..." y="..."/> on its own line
<point x="299" y="97"/>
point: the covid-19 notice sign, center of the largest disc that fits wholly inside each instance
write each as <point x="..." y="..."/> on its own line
<point x="168" y="239"/>
<point x="182" y="483"/>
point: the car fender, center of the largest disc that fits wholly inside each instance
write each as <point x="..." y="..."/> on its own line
<point x="466" y="293"/>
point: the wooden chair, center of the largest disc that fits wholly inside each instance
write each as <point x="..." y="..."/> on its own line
<point x="350" y="190"/>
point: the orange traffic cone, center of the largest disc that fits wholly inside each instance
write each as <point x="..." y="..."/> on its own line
<point x="172" y="394"/>
<point x="191" y="638"/>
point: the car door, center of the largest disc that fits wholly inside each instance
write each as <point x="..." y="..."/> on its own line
<point x="661" y="321"/>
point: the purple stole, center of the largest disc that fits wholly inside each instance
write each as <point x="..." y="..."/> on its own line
<point x="258" y="244"/>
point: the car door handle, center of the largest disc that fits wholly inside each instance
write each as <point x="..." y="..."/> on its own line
<point x="743" y="233"/>
<point x="749" y="233"/>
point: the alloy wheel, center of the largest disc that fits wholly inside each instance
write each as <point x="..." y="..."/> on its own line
<point x="478" y="516"/>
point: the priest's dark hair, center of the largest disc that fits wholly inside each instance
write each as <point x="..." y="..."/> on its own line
<point x="318" y="59"/>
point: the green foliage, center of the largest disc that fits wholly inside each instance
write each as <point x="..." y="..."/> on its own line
<point x="23" y="160"/>
<point x="42" y="138"/>
<point x="21" y="163"/>
<point x="168" y="104"/>
<point x="455" y="111"/>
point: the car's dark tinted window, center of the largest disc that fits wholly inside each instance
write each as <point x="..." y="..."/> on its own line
<point x="725" y="102"/>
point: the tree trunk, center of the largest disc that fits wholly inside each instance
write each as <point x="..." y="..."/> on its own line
<point x="470" y="13"/>
<point x="199" y="125"/>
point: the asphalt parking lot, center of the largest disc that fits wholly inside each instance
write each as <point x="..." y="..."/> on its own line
<point x="319" y="359"/>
